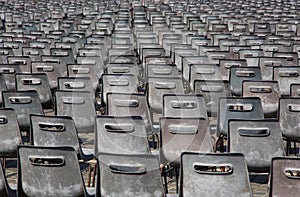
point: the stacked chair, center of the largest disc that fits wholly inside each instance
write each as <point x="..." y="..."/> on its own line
<point x="149" y="97"/>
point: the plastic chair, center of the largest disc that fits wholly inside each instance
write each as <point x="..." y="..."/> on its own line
<point x="211" y="174"/>
<point x="258" y="140"/>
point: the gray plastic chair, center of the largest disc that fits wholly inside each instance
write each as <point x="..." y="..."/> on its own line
<point x="211" y="174"/>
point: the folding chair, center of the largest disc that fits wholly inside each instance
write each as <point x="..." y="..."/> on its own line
<point x="79" y="106"/>
<point x="53" y="131"/>
<point x="58" y="164"/>
<point x="128" y="175"/>
<point x="179" y="135"/>
<point x="284" y="179"/>
<point x="24" y="103"/>
<point x="37" y="82"/>
<point x="258" y="140"/>
<point x="178" y="105"/>
<point x="211" y="174"/>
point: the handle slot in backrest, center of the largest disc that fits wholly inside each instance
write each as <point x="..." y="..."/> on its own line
<point x="120" y="69"/>
<point x="3" y="120"/>
<point x="119" y="128"/>
<point x="7" y="70"/>
<point x="293" y="107"/>
<point x="20" y="99"/>
<point x="81" y="70"/>
<point x="53" y="127"/>
<point x="230" y="64"/>
<point x="289" y="74"/>
<point x="213" y="169"/>
<point x="254" y="132"/>
<point x="292" y="173"/>
<point x="126" y="103"/>
<point x="161" y="85"/>
<point x="244" y="73"/>
<point x="250" y="55"/>
<point x="162" y="71"/>
<point x="45" y="68"/>
<point x="183" y="129"/>
<point x="272" y="63"/>
<point x="119" y="83"/>
<point x="61" y="53"/>
<point x="260" y="89"/>
<point x="31" y="81"/>
<point x="137" y="169"/>
<point x="74" y="85"/>
<point x="73" y="100"/>
<point x="203" y="71"/>
<point x="239" y="107"/>
<point x="54" y="161"/>
<point x="183" y="104"/>
<point x="212" y="88"/>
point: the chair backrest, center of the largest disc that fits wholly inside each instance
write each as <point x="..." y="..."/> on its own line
<point x="295" y="90"/>
<point x="212" y="91"/>
<point x="157" y="87"/>
<point x="284" y="179"/>
<point x="179" y="105"/>
<point x="237" y="108"/>
<point x="9" y="133"/>
<point x="212" y="174"/>
<point x="128" y="175"/>
<point x="120" y="83"/>
<point x="24" y="103"/>
<point x="119" y="104"/>
<point x="3" y="86"/>
<point x="77" y="84"/>
<point x="79" y="106"/>
<point x="39" y="83"/>
<point x="53" y="131"/>
<point x="121" y="135"/>
<point x="240" y="74"/>
<point x="286" y="75"/>
<point x="60" y="167"/>
<point x="289" y="111"/>
<point x="258" y="140"/>
<point x="267" y="91"/>
<point x="179" y="135"/>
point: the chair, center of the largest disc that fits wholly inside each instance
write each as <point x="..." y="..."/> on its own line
<point x="258" y="140"/>
<point x="51" y="171"/>
<point x="53" y="131"/>
<point x="128" y="175"/>
<point x="122" y="104"/>
<point x="288" y="119"/>
<point x="9" y="133"/>
<point x="120" y="83"/>
<point x="212" y="90"/>
<point x="24" y="103"/>
<point x="286" y="75"/>
<point x="79" y="106"/>
<point x="179" y="105"/>
<point x="81" y="84"/>
<point x="267" y="91"/>
<point x="237" y="108"/>
<point x="121" y="135"/>
<point x="212" y="174"/>
<point x="179" y="135"/>
<point x="157" y="87"/>
<point x="284" y="179"/>
<point x="37" y="82"/>
<point x="240" y="74"/>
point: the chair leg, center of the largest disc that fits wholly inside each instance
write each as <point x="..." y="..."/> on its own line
<point x="176" y="177"/>
<point x="94" y="175"/>
<point x="288" y="144"/>
<point x="163" y="171"/>
<point x="90" y="176"/>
